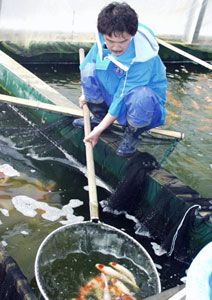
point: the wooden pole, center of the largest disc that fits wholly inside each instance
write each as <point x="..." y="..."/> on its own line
<point x="76" y="112"/>
<point x="93" y="201"/>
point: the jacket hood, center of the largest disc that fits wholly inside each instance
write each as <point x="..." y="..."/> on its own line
<point x="142" y="47"/>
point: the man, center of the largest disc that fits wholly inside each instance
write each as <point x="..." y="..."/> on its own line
<point x="123" y="78"/>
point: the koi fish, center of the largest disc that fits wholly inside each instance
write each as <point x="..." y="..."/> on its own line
<point x="173" y="100"/>
<point x="207" y="128"/>
<point x="172" y="114"/>
<point x="106" y="294"/>
<point x="206" y="120"/>
<point x="208" y="99"/>
<point x="126" y="297"/>
<point x="197" y="90"/>
<point x="119" y="295"/>
<point x="209" y="84"/>
<point x="124" y="271"/>
<point x="120" y="285"/>
<point x="91" y="286"/>
<point x="187" y="112"/>
<point x="169" y="121"/>
<point x="113" y="273"/>
<point x="207" y="107"/>
<point x="115" y="292"/>
<point x="195" y="104"/>
<point x="183" y="91"/>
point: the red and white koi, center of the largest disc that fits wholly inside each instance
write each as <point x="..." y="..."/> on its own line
<point x="118" y="294"/>
<point x="113" y="273"/>
<point x="126" y="297"/>
<point x="120" y="285"/>
<point x="106" y="293"/>
<point x="123" y="271"/>
<point x="91" y="287"/>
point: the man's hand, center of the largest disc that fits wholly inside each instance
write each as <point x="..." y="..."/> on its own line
<point x="93" y="136"/>
<point x="82" y="101"/>
<point x="95" y="133"/>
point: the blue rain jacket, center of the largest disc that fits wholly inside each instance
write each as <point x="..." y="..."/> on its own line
<point x="139" y="65"/>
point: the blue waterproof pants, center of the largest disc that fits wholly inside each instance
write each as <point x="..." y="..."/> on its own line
<point x="143" y="107"/>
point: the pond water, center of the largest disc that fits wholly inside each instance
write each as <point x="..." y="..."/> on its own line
<point x="189" y="110"/>
<point x="37" y="171"/>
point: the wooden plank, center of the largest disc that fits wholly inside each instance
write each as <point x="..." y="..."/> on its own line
<point x="36" y="104"/>
<point x="183" y="53"/>
<point x="168" y="294"/>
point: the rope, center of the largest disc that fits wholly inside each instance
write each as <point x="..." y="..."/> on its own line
<point x="169" y="151"/>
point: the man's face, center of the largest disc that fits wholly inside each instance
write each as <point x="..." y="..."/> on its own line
<point x="117" y="43"/>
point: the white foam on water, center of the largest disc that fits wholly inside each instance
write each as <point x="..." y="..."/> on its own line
<point x="158" y="250"/>
<point x="159" y="267"/>
<point x="24" y="232"/>
<point x="5" y="212"/>
<point x="70" y="160"/>
<point x="4" y="243"/>
<point x="28" y="206"/>
<point x="8" y="170"/>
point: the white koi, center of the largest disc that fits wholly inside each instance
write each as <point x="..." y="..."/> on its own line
<point x="120" y="285"/>
<point x="113" y="273"/>
<point x="124" y="271"/>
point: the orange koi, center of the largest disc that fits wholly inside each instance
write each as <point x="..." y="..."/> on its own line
<point x="183" y="91"/>
<point x="126" y="297"/>
<point x="171" y="114"/>
<point x="201" y="77"/>
<point x="206" y="120"/>
<point x="205" y="128"/>
<point x="208" y="99"/>
<point x="91" y="286"/>
<point x="187" y="112"/>
<point x="196" y="91"/>
<point x="195" y="104"/>
<point x="169" y="121"/>
<point x="209" y="84"/>
<point x="207" y="107"/>
<point x="115" y="292"/>
<point x="173" y="100"/>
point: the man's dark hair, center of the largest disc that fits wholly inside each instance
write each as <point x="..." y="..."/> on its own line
<point x="117" y="18"/>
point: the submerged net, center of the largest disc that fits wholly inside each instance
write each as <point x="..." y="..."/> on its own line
<point x="25" y="133"/>
<point x="13" y="284"/>
<point x="161" y="216"/>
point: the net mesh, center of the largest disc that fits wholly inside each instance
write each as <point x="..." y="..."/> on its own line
<point x="167" y="220"/>
<point x="13" y="284"/>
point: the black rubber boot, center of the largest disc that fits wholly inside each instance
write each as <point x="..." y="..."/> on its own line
<point x="130" y="141"/>
<point x="98" y="110"/>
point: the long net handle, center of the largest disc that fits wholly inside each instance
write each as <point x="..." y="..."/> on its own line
<point x="93" y="201"/>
